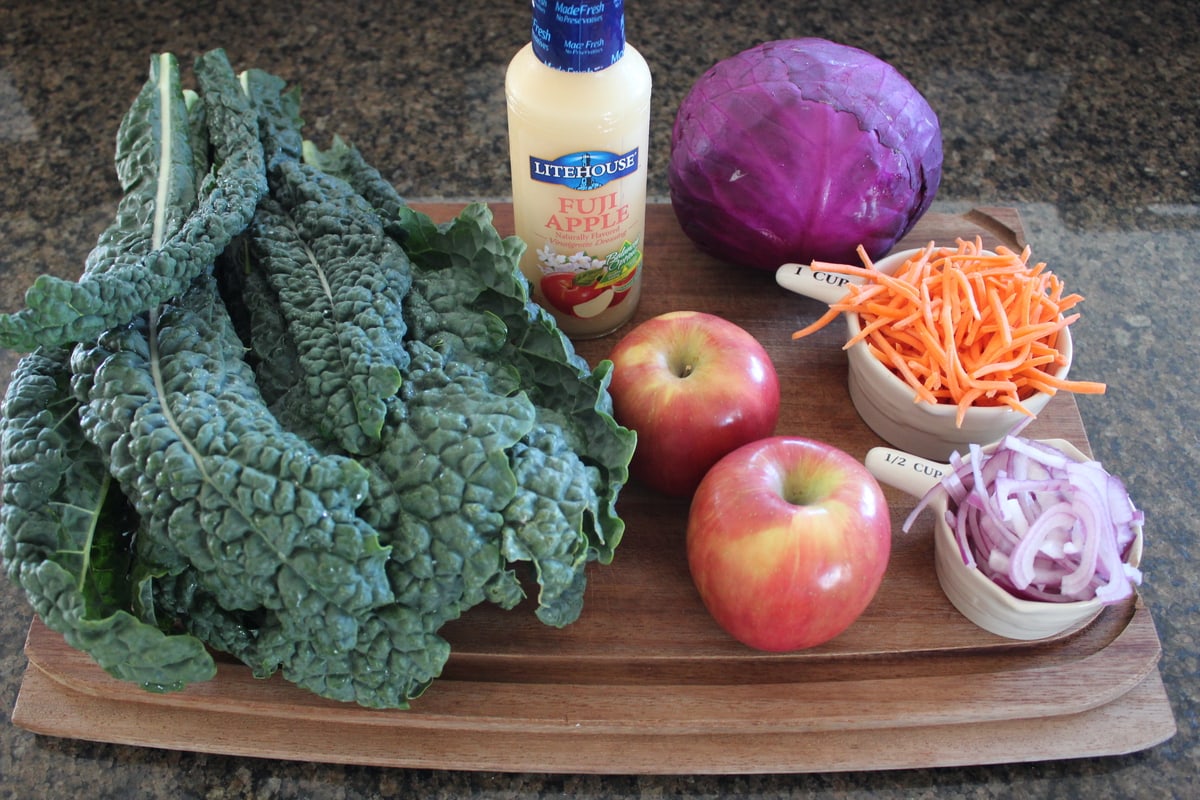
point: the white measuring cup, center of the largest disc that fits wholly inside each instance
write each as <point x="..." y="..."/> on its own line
<point x="976" y="596"/>
<point x="888" y="405"/>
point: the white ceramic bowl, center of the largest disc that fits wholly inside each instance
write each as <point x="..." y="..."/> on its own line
<point x="976" y="596"/>
<point x="890" y="407"/>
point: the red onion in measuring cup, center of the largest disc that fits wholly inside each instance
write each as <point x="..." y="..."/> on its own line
<point x="1040" y="524"/>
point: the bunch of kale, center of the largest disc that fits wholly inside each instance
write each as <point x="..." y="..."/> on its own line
<point x="284" y="416"/>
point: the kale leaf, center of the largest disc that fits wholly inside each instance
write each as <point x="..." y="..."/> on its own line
<point x="263" y="519"/>
<point x="340" y="284"/>
<point x="162" y="236"/>
<point x="66" y="533"/>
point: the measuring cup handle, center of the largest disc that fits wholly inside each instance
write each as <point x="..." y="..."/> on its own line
<point x="828" y="287"/>
<point x="910" y="474"/>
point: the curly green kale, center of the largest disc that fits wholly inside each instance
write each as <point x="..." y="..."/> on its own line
<point x="571" y="465"/>
<point x="263" y="519"/>
<point x="163" y="235"/>
<point x="279" y="120"/>
<point x="365" y="432"/>
<point x="66" y="533"/>
<point x="469" y="266"/>
<point x="255" y="535"/>
<point x="340" y="284"/>
<point x="441" y="483"/>
<point x="344" y="160"/>
<point x="469" y="296"/>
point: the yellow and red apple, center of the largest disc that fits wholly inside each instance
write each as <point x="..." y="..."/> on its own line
<point x="694" y="386"/>
<point x="788" y="539"/>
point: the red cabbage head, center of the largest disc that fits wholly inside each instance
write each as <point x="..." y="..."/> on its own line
<point x="799" y="150"/>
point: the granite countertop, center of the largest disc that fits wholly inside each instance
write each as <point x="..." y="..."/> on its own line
<point x="1081" y="114"/>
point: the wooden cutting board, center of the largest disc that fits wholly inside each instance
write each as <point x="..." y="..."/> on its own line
<point x="645" y="682"/>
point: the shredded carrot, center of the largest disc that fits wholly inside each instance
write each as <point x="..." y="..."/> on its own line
<point x="962" y="326"/>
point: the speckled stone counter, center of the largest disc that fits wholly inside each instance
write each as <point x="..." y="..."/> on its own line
<point x="1083" y="114"/>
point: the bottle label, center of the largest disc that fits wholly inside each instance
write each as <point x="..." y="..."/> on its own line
<point x="589" y="262"/>
<point x="578" y="35"/>
<point x="585" y="170"/>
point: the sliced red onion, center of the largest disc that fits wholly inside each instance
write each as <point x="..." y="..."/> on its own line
<point x="1040" y="524"/>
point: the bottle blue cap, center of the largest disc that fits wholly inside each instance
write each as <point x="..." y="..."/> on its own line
<point x="578" y="35"/>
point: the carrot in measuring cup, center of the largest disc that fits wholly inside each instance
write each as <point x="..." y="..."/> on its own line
<point x="961" y="326"/>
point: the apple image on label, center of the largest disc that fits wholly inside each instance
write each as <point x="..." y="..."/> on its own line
<point x="577" y="294"/>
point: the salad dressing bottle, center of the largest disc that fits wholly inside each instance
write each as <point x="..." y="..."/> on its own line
<point x="578" y="126"/>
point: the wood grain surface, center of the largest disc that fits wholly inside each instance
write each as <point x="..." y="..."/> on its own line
<point x="645" y="682"/>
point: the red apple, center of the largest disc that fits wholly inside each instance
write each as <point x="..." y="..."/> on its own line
<point x="787" y="541"/>
<point x="694" y="386"/>
<point x="577" y="293"/>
